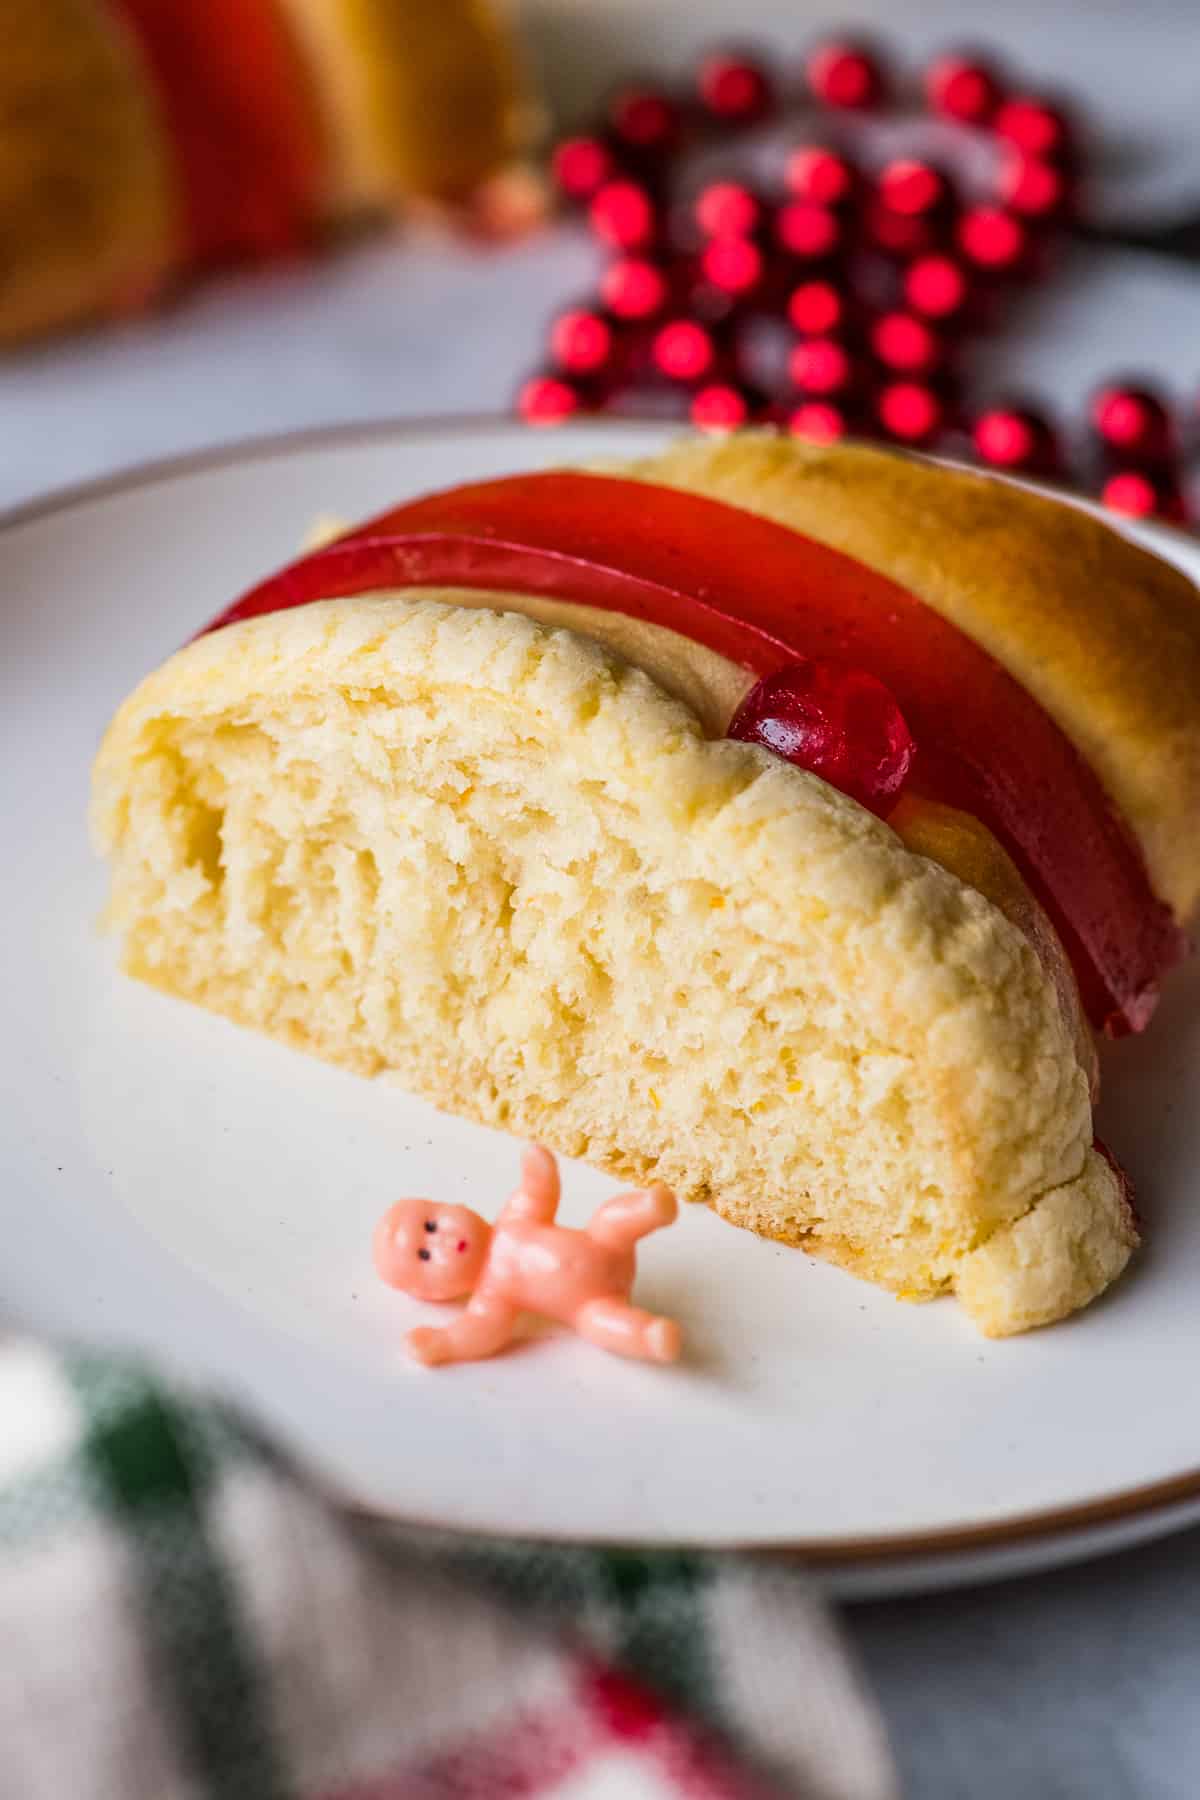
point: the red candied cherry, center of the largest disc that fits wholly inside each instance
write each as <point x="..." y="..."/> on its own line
<point x="837" y="722"/>
<point x="622" y="214"/>
<point x="547" y="400"/>
<point x="846" y="75"/>
<point x="734" y="87"/>
<point x="580" y="166"/>
<point x="963" y="87"/>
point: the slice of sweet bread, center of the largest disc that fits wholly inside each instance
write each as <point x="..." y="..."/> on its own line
<point x="455" y="800"/>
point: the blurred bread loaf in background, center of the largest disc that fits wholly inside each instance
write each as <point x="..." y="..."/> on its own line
<point x="144" y="139"/>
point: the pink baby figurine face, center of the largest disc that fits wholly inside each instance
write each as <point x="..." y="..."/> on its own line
<point x="432" y="1251"/>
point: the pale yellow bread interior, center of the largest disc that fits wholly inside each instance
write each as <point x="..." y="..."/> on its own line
<point x="499" y="863"/>
<point x="87" y="194"/>
<point x="1105" y="635"/>
<point x="419" y="97"/>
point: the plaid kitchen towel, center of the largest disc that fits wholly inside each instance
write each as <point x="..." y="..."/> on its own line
<point x="182" y="1617"/>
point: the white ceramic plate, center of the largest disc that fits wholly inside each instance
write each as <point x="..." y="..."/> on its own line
<point x="172" y="1181"/>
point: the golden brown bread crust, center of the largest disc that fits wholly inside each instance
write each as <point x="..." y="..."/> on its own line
<point x="86" y="182"/>
<point x="1105" y="635"/>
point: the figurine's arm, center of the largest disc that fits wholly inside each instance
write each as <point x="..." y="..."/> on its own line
<point x="538" y="1195"/>
<point x="484" y="1327"/>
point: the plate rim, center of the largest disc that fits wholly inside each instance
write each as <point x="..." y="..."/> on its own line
<point x="1143" y="1502"/>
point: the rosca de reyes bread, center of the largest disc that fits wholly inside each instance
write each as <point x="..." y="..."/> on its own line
<point x="140" y="139"/>
<point x="753" y="819"/>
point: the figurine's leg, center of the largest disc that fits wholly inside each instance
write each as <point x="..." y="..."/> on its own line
<point x="621" y="1221"/>
<point x="615" y="1325"/>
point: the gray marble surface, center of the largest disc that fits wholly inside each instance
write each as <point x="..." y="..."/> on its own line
<point x="1081" y="1685"/>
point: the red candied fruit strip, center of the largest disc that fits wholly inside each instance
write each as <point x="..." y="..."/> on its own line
<point x="763" y="595"/>
<point x="242" y="120"/>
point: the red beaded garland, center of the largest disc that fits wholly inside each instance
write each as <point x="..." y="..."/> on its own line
<point x="1133" y="422"/>
<point x="845" y="75"/>
<point x="963" y="88"/>
<point x="909" y="410"/>
<point x="850" y="291"/>
<point x="580" y="166"/>
<point x="683" y="350"/>
<point x="622" y="214"/>
<point x="814" y="172"/>
<point x="905" y="343"/>
<point x="634" y="288"/>
<point x="819" y="420"/>
<point x="991" y="238"/>
<point x="727" y="209"/>
<point x="719" y="407"/>
<point x="581" y="341"/>
<point x="807" y="231"/>
<point x="547" y="400"/>
<point x="735" y="89"/>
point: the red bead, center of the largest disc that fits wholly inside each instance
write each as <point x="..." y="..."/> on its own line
<point x="735" y="88"/>
<point x="1133" y="421"/>
<point x="644" y="119"/>
<point x="727" y="209"/>
<point x="1034" y="126"/>
<point x="895" y="233"/>
<point x="909" y="410"/>
<point x="962" y="87"/>
<point x="622" y="214"/>
<point x="838" y="722"/>
<point x="807" y="231"/>
<point x="845" y="75"/>
<point x="1013" y="437"/>
<point x="820" y="175"/>
<point x="821" y="366"/>
<point x="546" y="400"/>
<point x="816" y="308"/>
<point x="683" y="350"/>
<point x="633" y="288"/>
<point x="912" y="188"/>
<point x="992" y="238"/>
<point x="819" y="420"/>
<point x="719" y="407"/>
<point x="734" y="265"/>
<point x="581" y="342"/>
<point x="1139" y="496"/>
<point x="905" y="343"/>
<point x="1031" y="187"/>
<point x="936" y="286"/>
<point x="581" y="165"/>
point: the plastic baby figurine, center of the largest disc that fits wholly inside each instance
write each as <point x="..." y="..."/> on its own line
<point x="527" y="1263"/>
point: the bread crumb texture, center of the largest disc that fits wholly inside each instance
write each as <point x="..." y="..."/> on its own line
<point x="496" y="863"/>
